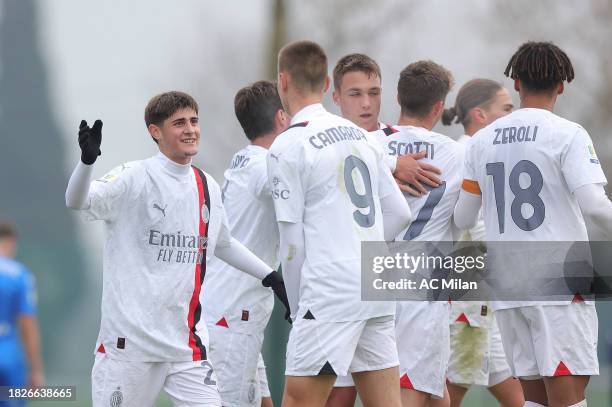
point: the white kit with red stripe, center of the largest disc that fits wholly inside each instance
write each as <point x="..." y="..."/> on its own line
<point x="161" y="219"/>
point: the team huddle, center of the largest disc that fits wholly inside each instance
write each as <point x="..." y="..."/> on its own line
<point x="189" y="266"/>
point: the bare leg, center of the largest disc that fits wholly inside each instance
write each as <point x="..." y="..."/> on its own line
<point x="457" y="393"/>
<point x="267" y="402"/>
<point x="565" y="390"/>
<point x="509" y="393"/>
<point x="534" y="390"/>
<point x="307" y="391"/>
<point x="342" y="397"/>
<point x="379" y="388"/>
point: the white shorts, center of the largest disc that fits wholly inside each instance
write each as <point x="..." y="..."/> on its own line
<point x="477" y="355"/>
<point x="262" y="377"/>
<point x="423" y="344"/>
<point x="337" y="348"/>
<point x="550" y="340"/>
<point x="235" y="356"/>
<point x="345" y="381"/>
<point x="137" y="384"/>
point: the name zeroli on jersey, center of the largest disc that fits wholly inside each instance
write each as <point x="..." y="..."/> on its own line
<point x="334" y="135"/>
<point x="398" y="148"/>
<point x="177" y="247"/>
<point x="509" y="135"/>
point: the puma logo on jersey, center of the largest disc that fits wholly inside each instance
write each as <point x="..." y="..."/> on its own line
<point x="162" y="210"/>
<point x="274" y="156"/>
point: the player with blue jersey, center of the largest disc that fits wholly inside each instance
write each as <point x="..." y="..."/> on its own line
<point x="20" y="360"/>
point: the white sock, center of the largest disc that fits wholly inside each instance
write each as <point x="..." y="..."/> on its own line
<point x="581" y="404"/>
<point x="532" y="404"/>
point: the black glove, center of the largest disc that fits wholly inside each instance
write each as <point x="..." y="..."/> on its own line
<point x="89" y="141"/>
<point x="275" y="280"/>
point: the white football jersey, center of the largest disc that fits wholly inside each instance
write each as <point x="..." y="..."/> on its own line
<point x="229" y="293"/>
<point x="527" y="166"/>
<point x="433" y="212"/>
<point x="329" y="174"/>
<point x="160" y="217"/>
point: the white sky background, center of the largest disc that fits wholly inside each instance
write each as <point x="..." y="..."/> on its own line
<point x="107" y="58"/>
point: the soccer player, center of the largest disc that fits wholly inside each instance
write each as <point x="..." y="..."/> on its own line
<point x="164" y="218"/>
<point x="422" y="328"/>
<point x="19" y="335"/>
<point x="237" y="307"/>
<point x="357" y="91"/>
<point x="331" y="191"/>
<point x="477" y="355"/>
<point x="551" y="346"/>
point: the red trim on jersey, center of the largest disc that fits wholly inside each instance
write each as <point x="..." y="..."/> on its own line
<point x="101" y="348"/>
<point x="222" y="322"/>
<point x="405" y="382"/>
<point x="463" y="318"/>
<point x="577" y="299"/>
<point x="195" y="307"/>
<point x="562" y="370"/>
<point x="389" y="130"/>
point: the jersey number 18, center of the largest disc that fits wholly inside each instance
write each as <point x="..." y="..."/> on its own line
<point x="529" y="195"/>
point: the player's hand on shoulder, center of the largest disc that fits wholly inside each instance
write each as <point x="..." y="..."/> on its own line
<point x="412" y="176"/>
<point x="90" y="139"/>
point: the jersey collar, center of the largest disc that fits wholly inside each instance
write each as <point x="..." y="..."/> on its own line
<point x="180" y="170"/>
<point x="307" y="113"/>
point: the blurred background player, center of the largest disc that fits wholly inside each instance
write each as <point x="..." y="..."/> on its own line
<point x="477" y="354"/>
<point x="551" y="346"/>
<point x="422" y="329"/>
<point x="237" y="307"/>
<point x="332" y="190"/>
<point x="164" y="219"/>
<point x="357" y="91"/>
<point x="20" y="360"/>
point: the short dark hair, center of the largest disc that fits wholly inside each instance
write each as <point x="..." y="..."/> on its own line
<point x="306" y="63"/>
<point x="256" y="106"/>
<point x="421" y="85"/>
<point x="540" y="66"/>
<point x="354" y="63"/>
<point x="7" y="230"/>
<point x="164" y="105"/>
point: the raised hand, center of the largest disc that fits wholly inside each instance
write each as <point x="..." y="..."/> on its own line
<point x="90" y="139"/>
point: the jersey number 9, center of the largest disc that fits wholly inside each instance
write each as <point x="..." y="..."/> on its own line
<point x="360" y="200"/>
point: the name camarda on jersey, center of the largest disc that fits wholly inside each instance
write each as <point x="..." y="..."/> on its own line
<point x="509" y="135"/>
<point x="334" y="135"/>
<point x="398" y="148"/>
<point x="177" y="247"/>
